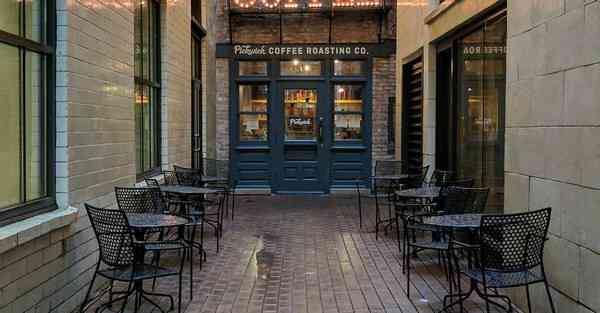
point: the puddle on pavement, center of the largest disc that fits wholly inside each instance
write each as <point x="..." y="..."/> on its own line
<point x="264" y="255"/>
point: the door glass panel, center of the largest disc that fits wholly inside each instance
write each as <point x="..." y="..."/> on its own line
<point x="300" y="68"/>
<point x="300" y="114"/>
<point x="482" y="84"/>
<point x="494" y="95"/>
<point x="348" y="114"/>
<point x="470" y="108"/>
<point x="254" y="116"/>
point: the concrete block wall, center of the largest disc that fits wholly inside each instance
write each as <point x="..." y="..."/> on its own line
<point x="384" y="87"/>
<point x="95" y="142"/>
<point x="553" y="139"/>
<point x="209" y="79"/>
<point x="176" y="83"/>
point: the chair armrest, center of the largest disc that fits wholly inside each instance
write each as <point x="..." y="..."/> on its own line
<point x="464" y="245"/>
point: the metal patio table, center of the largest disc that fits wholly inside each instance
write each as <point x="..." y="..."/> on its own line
<point x="140" y="224"/>
<point x="451" y="223"/>
<point x="392" y="182"/>
<point x="426" y="192"/>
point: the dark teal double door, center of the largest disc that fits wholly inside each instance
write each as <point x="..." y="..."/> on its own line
<point x="301" y="137"/>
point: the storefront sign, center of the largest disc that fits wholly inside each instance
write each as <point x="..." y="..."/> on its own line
<point x="304" y="51"/>
<point x="489" y="51"/>
<point x="300" y="122"/>
<point x="298" y="51"/>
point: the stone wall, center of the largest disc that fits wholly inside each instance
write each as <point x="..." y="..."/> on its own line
<point x="553" y="139"/>
<point x="222" y="110"/>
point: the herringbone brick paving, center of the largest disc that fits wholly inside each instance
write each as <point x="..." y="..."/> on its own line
<point x="292" y="254"/>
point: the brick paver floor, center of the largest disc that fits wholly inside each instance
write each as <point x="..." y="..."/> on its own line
<point x="291" y="254"/>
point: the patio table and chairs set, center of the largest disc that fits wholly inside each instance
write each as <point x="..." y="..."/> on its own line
<point x="166" y="218"/>
<point x="449" y="217"/>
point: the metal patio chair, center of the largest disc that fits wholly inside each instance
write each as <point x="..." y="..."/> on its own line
<point x="511" y="254"/>
<point x="121" y="258"/>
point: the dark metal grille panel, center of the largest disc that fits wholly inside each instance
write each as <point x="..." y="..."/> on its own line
<point x="412" y="112"/>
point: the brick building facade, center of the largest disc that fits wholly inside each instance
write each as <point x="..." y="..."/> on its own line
<point x="341" y="28"/>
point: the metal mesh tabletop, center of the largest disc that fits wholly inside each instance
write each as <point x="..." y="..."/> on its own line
<point x="147" y="220"/>
<point x="424" y="192"/>
<point x="454" y="221"/>
<point x="188" y="190"/>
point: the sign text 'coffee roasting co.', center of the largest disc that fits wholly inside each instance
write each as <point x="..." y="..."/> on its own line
<point x="299" y="51"/>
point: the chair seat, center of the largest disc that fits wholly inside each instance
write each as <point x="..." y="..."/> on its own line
<point x="142" y="272"/>
<point x="430" y="245"/>
<point x="165" y="245"/>
<point x="506" y="279"/>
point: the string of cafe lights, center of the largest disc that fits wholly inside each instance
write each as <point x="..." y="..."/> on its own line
<point x="313" y="4"/>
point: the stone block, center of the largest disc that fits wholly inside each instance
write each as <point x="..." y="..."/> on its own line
<point x="581" y="96"/>
<point x="590" y="164"/>
<point x="519" y="105"/>
<point x="562" y="261"/>
<point x="562" y="45"/>
<point x="548" y="98"/>
<point x="546" y="193"/>
<point x="516" y="198"/>
<point x="590" y="279"/>
<point x="564" y="147"/>
<point x="592" y="32"/>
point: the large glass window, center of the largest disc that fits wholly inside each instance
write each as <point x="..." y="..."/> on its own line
<point x="254" y="116"/>
<point x="252" y="68"/>
<point x="24" y="56"/>
<point x="348" y="116"/>
<point x="147" y="85"/>
<point x="300" y="68"/>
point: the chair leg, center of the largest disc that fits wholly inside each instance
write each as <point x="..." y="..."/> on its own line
<point x="398" y="239"/>
<point x="232" y="203"/>
<point x="89" y="291"/>
<point x="408" y="271"/>
<point x="549" y="295"/>
<point x="528" y="298"/>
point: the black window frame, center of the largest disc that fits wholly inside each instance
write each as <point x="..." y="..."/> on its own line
<point x="25" y="209"/>
<point x="154" y="87"/>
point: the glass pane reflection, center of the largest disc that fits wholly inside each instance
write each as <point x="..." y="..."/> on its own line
<point x="300" y="114"/>
<point x="300" y="68"/>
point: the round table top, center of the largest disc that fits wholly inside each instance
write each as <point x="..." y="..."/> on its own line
<point x="150" y="220"/>
<point x="390" y="177"/>
<point x="454" y="221"/>
<point x="423" y="192"/>
<point x="188" y="190"/>
<point x="213" y="179"/>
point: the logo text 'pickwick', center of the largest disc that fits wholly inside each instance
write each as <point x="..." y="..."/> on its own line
<point x="297" y="51"/>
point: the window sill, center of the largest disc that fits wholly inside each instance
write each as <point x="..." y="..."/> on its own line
<point x="433" y="15"/>
<point x="19" y="233"/>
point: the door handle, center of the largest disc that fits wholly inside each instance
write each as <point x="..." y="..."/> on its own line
<point x="320" y="130"/>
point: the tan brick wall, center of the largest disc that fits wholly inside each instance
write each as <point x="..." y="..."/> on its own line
<point x="209" y="76"/>
<point x="176" y="83"/>
<point x="95" y="142"/>
<point x="222" y="110"/>
<point x="553" y="142"/>
<point x="384" y="87"/>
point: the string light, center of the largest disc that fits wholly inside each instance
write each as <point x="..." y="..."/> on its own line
<point x="270" y="4"/>
<point x="244" y="4"/>
<point x="313" y="4"/>
<point x="290" y="4"/>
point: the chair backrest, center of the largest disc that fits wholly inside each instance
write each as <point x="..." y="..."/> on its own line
<point x="416" y="180"/>
<point x="209" y="167"/>
<point x="462" y="200"/>
<point x="151" y="182"/>
<point x="188" y="176"/>
<point x="138" y="200"/>
<point x="115" y="240"/>
<point x="441" y="177"/>
<point x="389" y="167"/>
<point x="170" y="178"/>
<point x="514" y="242"/>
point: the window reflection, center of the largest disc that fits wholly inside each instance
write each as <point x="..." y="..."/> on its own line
<point x="300" y="114"/>
<point x="252" y="68"/>
<point x="347" y="68"/>
<point x="300" y="68"/>
<point x="348" y="114"/>
<point x="254" y="116"/>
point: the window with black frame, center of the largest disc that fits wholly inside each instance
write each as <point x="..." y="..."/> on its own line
<point x="147" y="85"/>
<point x="348" y="114"/>
<point x="26" y="54"/>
